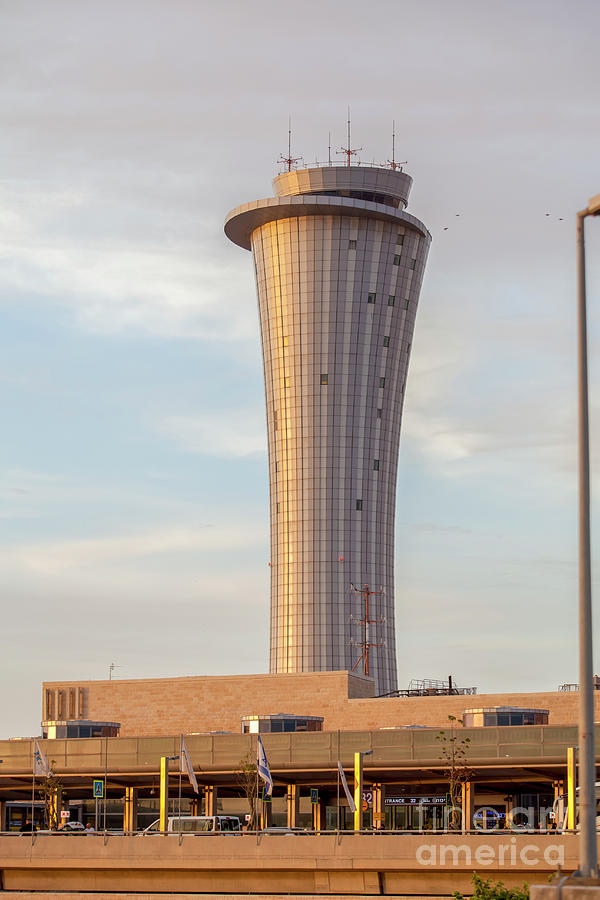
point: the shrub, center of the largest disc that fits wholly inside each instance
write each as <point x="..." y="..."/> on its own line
<point x="485" y="890"/>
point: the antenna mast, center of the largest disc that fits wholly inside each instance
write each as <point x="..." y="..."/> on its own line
<point x="392" y="163"/>
<point x="347" y="151"/>
<point x="365" y="644"/>
<point x="288" y="161"/>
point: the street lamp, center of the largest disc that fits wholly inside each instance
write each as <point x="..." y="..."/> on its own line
<point x="588" y="852"/>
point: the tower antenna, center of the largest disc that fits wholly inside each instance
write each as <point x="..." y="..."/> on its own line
<point x="365" y="644"/>
<point x="329" y="157"/>
<point x="289" y="161"/>
<point x="391" y="163"/>
<point x="347" y="151"/>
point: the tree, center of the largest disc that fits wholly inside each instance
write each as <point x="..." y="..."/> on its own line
<point x="51" y="789"/>
<point x="487" y="890"/>
<point x="246" y="779"/>
<point x="454" y="756"/>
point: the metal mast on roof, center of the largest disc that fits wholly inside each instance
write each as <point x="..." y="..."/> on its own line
<point x="289" y="160"/>
<point x="392" y="163"/>
<point x="347" y="151"/>
<point x="365" y="644"/>
<point x="329" y="147"/>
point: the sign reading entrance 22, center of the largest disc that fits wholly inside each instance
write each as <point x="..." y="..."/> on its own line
<point x="98" y="788"/>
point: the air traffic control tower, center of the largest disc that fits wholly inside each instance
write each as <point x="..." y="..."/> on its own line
<point x="339" y="265"/>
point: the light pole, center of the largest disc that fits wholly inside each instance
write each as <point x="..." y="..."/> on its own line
<point x="588" y="852"/>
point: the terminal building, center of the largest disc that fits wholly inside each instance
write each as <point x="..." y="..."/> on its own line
<point x="517" y="753"/>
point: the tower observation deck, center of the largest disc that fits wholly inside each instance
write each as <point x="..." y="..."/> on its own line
<point x="339" y="266"/>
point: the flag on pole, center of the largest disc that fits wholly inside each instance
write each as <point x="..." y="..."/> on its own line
<point x="185" y="765"/>
<point x="263" y="768"/>
<point x="40" y="763"/>
<point x="351" y="802"/>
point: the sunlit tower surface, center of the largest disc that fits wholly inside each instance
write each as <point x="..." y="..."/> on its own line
<point x="338" y="265"/>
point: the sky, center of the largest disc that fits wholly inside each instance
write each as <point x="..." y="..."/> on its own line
<point x="133" y="474"/>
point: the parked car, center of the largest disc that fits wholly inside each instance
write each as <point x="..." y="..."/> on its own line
<point x="68" y="827"/>
<point x="197" y="825"/>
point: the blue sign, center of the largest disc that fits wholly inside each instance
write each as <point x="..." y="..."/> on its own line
<point x="314" y="795"/>
<point x="98" y="788"/>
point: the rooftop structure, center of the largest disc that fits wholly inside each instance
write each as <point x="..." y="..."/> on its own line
<point x="338" y="265"/>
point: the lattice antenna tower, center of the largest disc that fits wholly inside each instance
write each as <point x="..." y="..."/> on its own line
<point x="391" y="163"/>
<point x="348" y="151"/>
<point x="289" y="161"/>
<point x="365" y="621"/>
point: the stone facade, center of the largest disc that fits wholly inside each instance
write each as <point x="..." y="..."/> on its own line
<point x="167" y="706"/>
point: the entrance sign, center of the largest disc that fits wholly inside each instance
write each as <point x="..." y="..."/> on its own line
<point x="314" y="795"/>
<point x="98" y="788"/>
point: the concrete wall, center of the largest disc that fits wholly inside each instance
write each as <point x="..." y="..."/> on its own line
<point x="417" y="864"/>
<point x="216" y="703"/>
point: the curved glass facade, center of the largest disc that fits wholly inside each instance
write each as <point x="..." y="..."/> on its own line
<point x="338" y="280"/>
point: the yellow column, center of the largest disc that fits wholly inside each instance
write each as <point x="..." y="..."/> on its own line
<point x="293" y="805"/>
<point x="210" y="800"/>
<point x="358" y="791"/>
<point x="571" y="787"/>
<point x="378" y="806"/>
<point x="510" y="802"/>
<point x="164" y="793"/>
<point x="468" y="806"/>
<point x="130" y="809"/>
<point x="318" y="815"/>
<point x="559" y="804"/>
<point x="54" y="808"/>
<point x="266" y="817"/>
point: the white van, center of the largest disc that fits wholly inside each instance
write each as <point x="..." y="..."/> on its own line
<point x="197" y="825"/>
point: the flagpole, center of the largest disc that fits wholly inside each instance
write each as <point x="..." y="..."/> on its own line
<point x="256" y="804"/>
<point x="32" y="788"/>
<point x="180" y="762"/>
<point x="337" y="821"/>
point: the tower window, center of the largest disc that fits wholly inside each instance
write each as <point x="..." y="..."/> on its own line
<point x="324" y="378"/>
<point x="386" y="341"/>
<point x="396" y="259"/>
<point x="408" y="348"/>
<point x="359" y="504"/>
<point x="277" y="467"/>
<point x="376" y="465"/>
<point x="413" y="263"/>
<point x="382" y="382"/>
<point x="379" y="412"/>
<point x="287" y="381"/>
<point x="286" y="340"/>
<point x="371" y="297"/>
<point x="391" y="300"/>
<point x="405" y="303"/>
<point x="351" y="245"/>
<point x="275" y="420"/>
<point x="400" y="240"/>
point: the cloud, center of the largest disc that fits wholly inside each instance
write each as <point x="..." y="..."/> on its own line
<point x="53" y="557"/>
<point x="154" y="283"/>
<point x="231" y="433"/>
